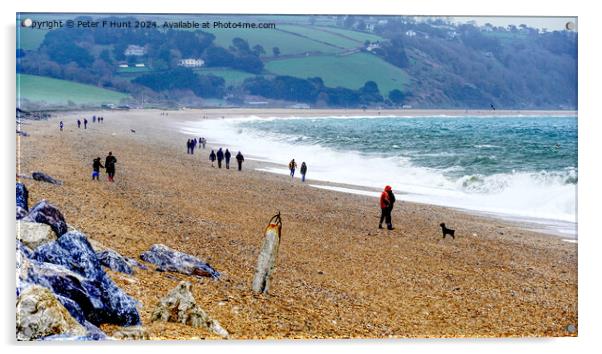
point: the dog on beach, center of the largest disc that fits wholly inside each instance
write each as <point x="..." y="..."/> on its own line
<point x="447" y="231"/>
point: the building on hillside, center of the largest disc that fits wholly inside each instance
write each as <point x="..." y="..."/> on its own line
<point x="123" y="65"/>
<point x="140" y="65"/>
<point x="191" y="62"/>
<point x="372" y="46"/>
<point x="410" y="33"/>
<point x="134" y="50"/>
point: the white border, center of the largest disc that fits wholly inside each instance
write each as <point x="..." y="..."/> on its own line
<point x="590" y="116"/>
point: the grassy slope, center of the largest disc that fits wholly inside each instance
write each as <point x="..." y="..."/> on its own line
<point x="358" y="36"/>
<point x="323" y="36"/>
<point x="232" y="76"/>
<point x="350" y="71"/>
<point x="53" y="91"/>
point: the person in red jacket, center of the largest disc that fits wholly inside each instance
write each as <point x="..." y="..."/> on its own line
<point x="387" y="199"/>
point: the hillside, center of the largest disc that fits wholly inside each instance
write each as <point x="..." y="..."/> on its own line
<point x="60" y="92"/>
<point x="428" y="64"/>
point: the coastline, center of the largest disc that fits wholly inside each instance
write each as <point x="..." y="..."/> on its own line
<point x="399" y="284"/>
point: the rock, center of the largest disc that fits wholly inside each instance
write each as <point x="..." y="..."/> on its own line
<point x="131" y="333"/>
<point x="101" y="300"/>
<point x="171" y="260"/>
<point x="93" y="333"/>
<point x="46" y="213"/>
<point x="42" y="177"/>
<point x="22" y="196"/>
<point x="114" y="261"/>
<point x="40" y="314"/>
<point x="135" y="263"/>
<point x="27" y="252"/>
<point x="180" y="306"/>
<point x="21" y="213"/>
<point x="33" y="234"/>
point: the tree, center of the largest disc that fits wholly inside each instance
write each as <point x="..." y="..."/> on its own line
<point x="258" y="50"/>
<point x="396" y="96"/>
<point x="276" y="51"/>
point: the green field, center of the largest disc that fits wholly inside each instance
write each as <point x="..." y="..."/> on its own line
<point x="358" y="36"/>
<point x="269" y="38"/>
<point x="321" y="35"/>
<point x="30" y="39"/>
<point x="60" y="92"/>
<point x="231" y="76"/>
<point x="133" y="69"/>
<point x="350" y="71"/>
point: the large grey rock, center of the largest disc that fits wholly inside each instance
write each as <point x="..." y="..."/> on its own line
<point x="114" y="261"/>
<point x="171" y="260"/>
<point x="180" y="306"/>
<point x="40" y="314"/>
<point x="33" y="234"/>
<point x="42" y="177"/>
<point x="46" y="213"/>
<point x="22" y="196"/>
<point x="131" y="333"/>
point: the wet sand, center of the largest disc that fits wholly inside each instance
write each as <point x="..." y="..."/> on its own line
<point x="338" y="276"/>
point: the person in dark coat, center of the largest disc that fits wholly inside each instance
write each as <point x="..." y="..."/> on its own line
<point x="96" y="166"/>
<point x="212" y="157"/>
<point x="79" y="123"/>
<point x="239" y="159"/>
<point x="188" y="146"/>
<point x="61" y="125"/>
<point x="93" y="119"/>
<point x="387" y="200"/>
<point x="303" y="171"/>
<point x="110" y="162"/>
<point x="85" y="123"/>
<point x="220" y="157"/>
<point x="227" y="155"/>
<point x="292" y="166"/>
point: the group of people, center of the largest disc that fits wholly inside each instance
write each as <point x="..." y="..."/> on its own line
<point x="109" y="167"/>
<point x="192" y="143"/>
<point x="85" y="121"/>
<point x="225" y="156"/>
<point x="292" y="166"/>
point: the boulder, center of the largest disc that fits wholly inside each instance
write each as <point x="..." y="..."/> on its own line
<point x="180" y="306"/>
<point x="27" y="252"/>
<point x="114" y="261"/>
<point x="33" y="234"/>
<point x="40" y="314"/>
<point x="22" y="196"/>
<point x="46" y="213"/>
<point x="171" y="260"/>
<point x="42" y="177"/>
<point x="106" y="301"/>
<point x="131" y="333"/>
<point x="20" y="213"/>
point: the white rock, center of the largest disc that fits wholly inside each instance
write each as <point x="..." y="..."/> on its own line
<point x="34" y="234"/>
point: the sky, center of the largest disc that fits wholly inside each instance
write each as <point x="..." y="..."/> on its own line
<point x="549" y="23"/>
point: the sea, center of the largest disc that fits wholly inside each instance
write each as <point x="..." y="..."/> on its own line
<point x="522" y="168"/>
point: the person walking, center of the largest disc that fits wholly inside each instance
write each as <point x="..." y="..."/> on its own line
<point x="292" y="166"/>
<point x="212" y="158"/>
<point x="61" y="125"/>
<point x="93" y="119"/>
<point x="192" y="145"/>
<point x="239" y="159"/>
<point x="203" y="141"/>
<point x="227" y="155"/>
<point x="387" y="200"/>
<point x="79" y="123"/>
<point x="303" y="171"/>
<point x="96" y="166"/>
<point x="85" y="123"/>
<point x="220" y="157"/>
<point x="110" y="162"/>
<point x="188" y="146"/>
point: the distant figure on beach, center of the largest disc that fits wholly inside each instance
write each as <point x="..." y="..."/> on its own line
<point x="203" y="141"/>
<point x="102" y="119"/>
<point x="79" y="123"/>
<point x="85" y="123"/>
<point x="239" y="159"/>
<point x="110" y="162"/>
<point x="292" y="166"/>
<point x="93" y="119"/>
<point x="492" y="107"/>
<point x="188" y="146"/>
<point x="220" y="157"/>
<point x="227" y="155"/>
<point x="96" y="166"/>
<point x="387" y="199"/>
<point x="192" y="146"/>
<point x="212" y="158"/>
<point x="61" y="125"/>
<point x="303" y="171"/>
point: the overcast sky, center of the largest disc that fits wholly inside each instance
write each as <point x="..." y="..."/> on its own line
<point x="550" y="23"/>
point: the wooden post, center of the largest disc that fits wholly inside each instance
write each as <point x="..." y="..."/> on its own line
<point x="266" y="262"/>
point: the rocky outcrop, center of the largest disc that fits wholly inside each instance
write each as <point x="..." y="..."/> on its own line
<point x="40" y="314"/>
<point x="131" y="333"/>
<point x="101" y="300"/>
<point x="114" y="261"/>
<point x="20" y="213"/>
<point x="22" y="196"/>
<point x="33" y="234"/>
<point x="46" y="213"/>
<point x="180" y="306"/>
<point x="167" y="259"/>
<point x="42" y="177"/>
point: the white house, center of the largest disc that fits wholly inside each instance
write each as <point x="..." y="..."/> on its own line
<point x="191" y="62"/>
<point x="410" y="33"/>
<point x="139" y="65"/>
<point x="134" y="50"/>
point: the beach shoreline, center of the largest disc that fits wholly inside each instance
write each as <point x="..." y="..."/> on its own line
<point x="406" y="283"/>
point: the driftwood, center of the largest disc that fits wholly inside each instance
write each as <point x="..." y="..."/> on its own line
<point x="266" y="262"/>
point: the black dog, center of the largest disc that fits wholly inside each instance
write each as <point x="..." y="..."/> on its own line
<point x="447" y="231"/>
